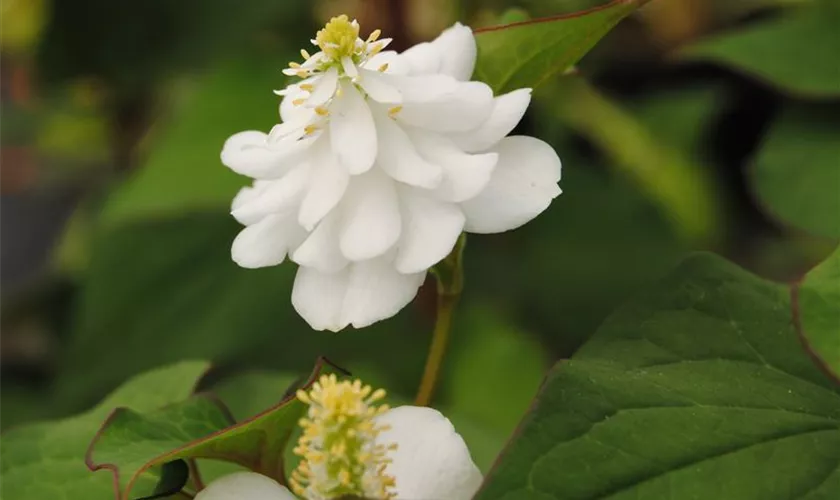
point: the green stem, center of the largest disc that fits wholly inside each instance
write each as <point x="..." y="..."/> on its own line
<point x="450" y="281"/>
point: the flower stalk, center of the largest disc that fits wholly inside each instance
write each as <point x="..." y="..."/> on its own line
<point x="449" y="274"/>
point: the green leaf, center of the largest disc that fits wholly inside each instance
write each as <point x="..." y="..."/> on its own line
<point x="131" y="443"/>
<point x="528" y="53"/>
<point x="817" y="312"/>
<point x="797" y="172"/>
<point x="45" y="460"/>
<point x="697" y="389"/>
<point x="250" y="393"/>
<point x="795" y="52"/>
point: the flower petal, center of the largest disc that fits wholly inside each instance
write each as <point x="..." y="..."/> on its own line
<point x="460" y="111"/>
<point x="377" y="86"/>
<point x="456" y="46"/>
<point x="464" y="175"/>
<point x="361" y="294"/>
<point x="508" y="110"/>
<point x="376" y="291"/>
<point x="275" y="196"/>
<point x="320" y="250"/>
<point x="423" y="88"/>
<point x="245" y="486"/>
<point x="422" y="59"/>
<point x="319" y="297"/>
<point x="399" y="158"/>
<point x="371" y="214"/>
<point x="248" y="153"/>
<point x="267" y="242"/>
<point x="522" y="186"/>
<point x="324" y="88"/>
<point x="430" y="229"/>
<point x="289" y="112"/>
<point x="246" y="195"/>
<point x="327" y="185"/>
<point x="396" y="65"/>
<point x="431" y="459"/>
<point x="352" y="132"/>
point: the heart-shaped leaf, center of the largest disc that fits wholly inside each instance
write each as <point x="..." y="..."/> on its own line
<point x="527" y="53"/>
<point x="131" y="443"/>
<point x="45" y="460"/>
<point x="698" y="389"/>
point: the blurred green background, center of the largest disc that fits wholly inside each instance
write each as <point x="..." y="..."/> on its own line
<point x="116" y="229"/>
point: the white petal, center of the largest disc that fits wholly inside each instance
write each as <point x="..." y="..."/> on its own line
<point x="267" y="242"/>
<point x="423" y="88"/>
<point x="522" y="186"/>
<point x="361" y="294"/>
<point x="324" y="88"/>
<point x="327" y="185"/>
<point x="320" y="250"/>
<point x="289" y="112"/>
<point x="248" y="153"/>
<point x="376" y="291"/>
<point x="422" y="59"/>
<point x="371" y="214"/>
<point x="275" y="196"/>
<point x="457" y="48"/>
<point x="399" y="158"/>
<point x="464" y="109"/>
<point x="245" y="486"/>
<point x="464" y="175"/>
<point x="431" y="459"/>
<point x="508" y="110"/>
<point x="246" y="195"/>
<point x="319" y="297"/>
<point x="349" y="67"/>
<point x="396" y="65"/>
<point x="430" y="229"/>
<point x="352" y="132"/>
<point x="294" y="127"/>
<point x="378" y="88"/>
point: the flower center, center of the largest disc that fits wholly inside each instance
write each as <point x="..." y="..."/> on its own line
<point x="341" y="48"/>
<point x="339" y="456"/>
<point x="338" y="38"/>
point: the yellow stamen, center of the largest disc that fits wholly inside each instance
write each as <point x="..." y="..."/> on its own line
<point x="307" y="87"/>
<point x="308" y="130"/>
<point x="304" y="54"/>
<point x="374" y="35"/>
<point x="377" y="47"/>
<point x="322" y="111"/>
<point x="299" y="101"/>
<point x="384" y="67"/>
<point x="339" y="457"/>
<point x="338" y="38"/>
<point x="392" y="112"/>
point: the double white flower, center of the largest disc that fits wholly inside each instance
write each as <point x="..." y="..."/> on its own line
<point x="381" y="161"/>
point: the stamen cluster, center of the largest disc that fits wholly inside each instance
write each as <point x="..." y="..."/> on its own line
<point x="340" y="47"/>
<point x="339" y="454"/>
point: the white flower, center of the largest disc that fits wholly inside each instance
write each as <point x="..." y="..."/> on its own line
<point x="351" y="446"/>
<point x="381" y="161"/>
